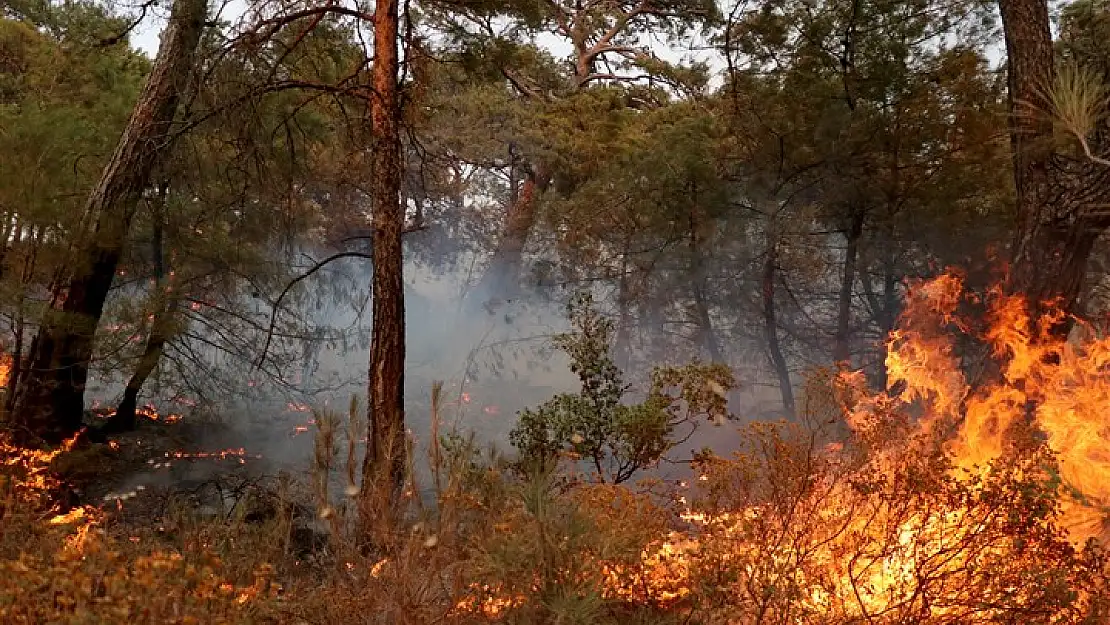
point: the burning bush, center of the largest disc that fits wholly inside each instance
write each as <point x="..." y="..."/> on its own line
<point x="791" y="531"/>
<point x="944" y="501"/>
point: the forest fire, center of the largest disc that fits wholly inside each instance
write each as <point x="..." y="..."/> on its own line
<point x="147" y="411"/>
<point x="5" y="369"/>
<point x="150" y="412"/>
<point x="1050" y="390"/>
<point x="240" y="455"/>
<point x="928" y="509"/>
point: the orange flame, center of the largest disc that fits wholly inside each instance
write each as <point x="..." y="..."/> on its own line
<point x="862" y="552"/>
<point x="5" y="369"/>
<point x="1061" y="389"/>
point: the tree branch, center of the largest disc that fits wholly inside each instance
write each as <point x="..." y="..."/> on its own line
<point x="289" y="287"/>
<point x="304" y="276"/>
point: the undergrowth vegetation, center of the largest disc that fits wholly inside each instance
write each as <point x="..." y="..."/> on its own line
<point x="851" y="514"/>
<point x="786" y="531"/>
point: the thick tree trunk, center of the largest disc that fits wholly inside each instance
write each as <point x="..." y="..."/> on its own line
<point x="384" y="466"/>
<point x="842" y="348"/>
<point x="771" y="330"/>
<point x="51" y="399"/>
<point x="1060" y="200"/>
<point x="502" y="278"/>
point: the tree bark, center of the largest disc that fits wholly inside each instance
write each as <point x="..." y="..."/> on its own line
<point x="384" y="465"/>
<point x="1060" y="200"/>
<point x="502" y="278"/>
<point x="51" y="398"/>
<point x="771" y="330"/>
<point x="842" y="349"/>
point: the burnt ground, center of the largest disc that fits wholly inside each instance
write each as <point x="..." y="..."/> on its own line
<point x="146" y="480"/>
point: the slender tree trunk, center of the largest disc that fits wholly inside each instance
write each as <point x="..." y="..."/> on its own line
<point x="653" y="330"/>
<point x="706" y="334"/>
<point x="771" y="330"/>
<point x="161" y="331"/>
<point x="6" y="240"/>
<point x="20" y="326"/>
<point x="52" y="400"/>
<point x="842" y="349"/>
<point x="622" y="347"/>
<point x="891" y="307"/>
<point x="502" y="278"/>
<point x="161" y="327"/>
<point x="384" y="466"/>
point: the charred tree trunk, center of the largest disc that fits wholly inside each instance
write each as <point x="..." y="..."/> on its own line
<point x="1060" y="200"/>
<point x="51" y="400"/>
<point x="771" y="330"/>
<point x="384" y="466"/>
<point x="708" y="337"/>
<point x="161" y="328"/>
<point x="19" y="325"/>
<point x="502" y="278"/>
<point x="842" y="349"/>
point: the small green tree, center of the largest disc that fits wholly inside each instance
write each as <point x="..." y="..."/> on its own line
<point x="617" y="439"/>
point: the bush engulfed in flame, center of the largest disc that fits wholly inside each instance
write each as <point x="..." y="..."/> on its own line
<point x="939" y="503"/>
<point x="1049" y="391"/>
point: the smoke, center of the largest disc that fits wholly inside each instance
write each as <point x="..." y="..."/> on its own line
<point x="493" y="355"/>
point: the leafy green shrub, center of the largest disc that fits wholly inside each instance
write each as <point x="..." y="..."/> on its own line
<point x="617" y="439"/>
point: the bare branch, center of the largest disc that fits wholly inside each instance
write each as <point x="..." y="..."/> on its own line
<point x="304" y="276"/>
<point x="289" y="287"/>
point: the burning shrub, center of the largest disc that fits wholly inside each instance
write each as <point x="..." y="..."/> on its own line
<point x="790" y="531"/>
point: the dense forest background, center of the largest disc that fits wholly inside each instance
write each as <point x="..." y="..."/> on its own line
<point x="867" y="236"/>
<point x="748" y="185"/>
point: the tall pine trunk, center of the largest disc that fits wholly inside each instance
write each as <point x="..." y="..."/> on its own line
<point x="842" y="348"/>
<point x="771" y="329"/>
<point x="1058" y="197"/>
<point x="51" y="394"/>
<point x="502" y="278"/>
<point x="384" y="465"/>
